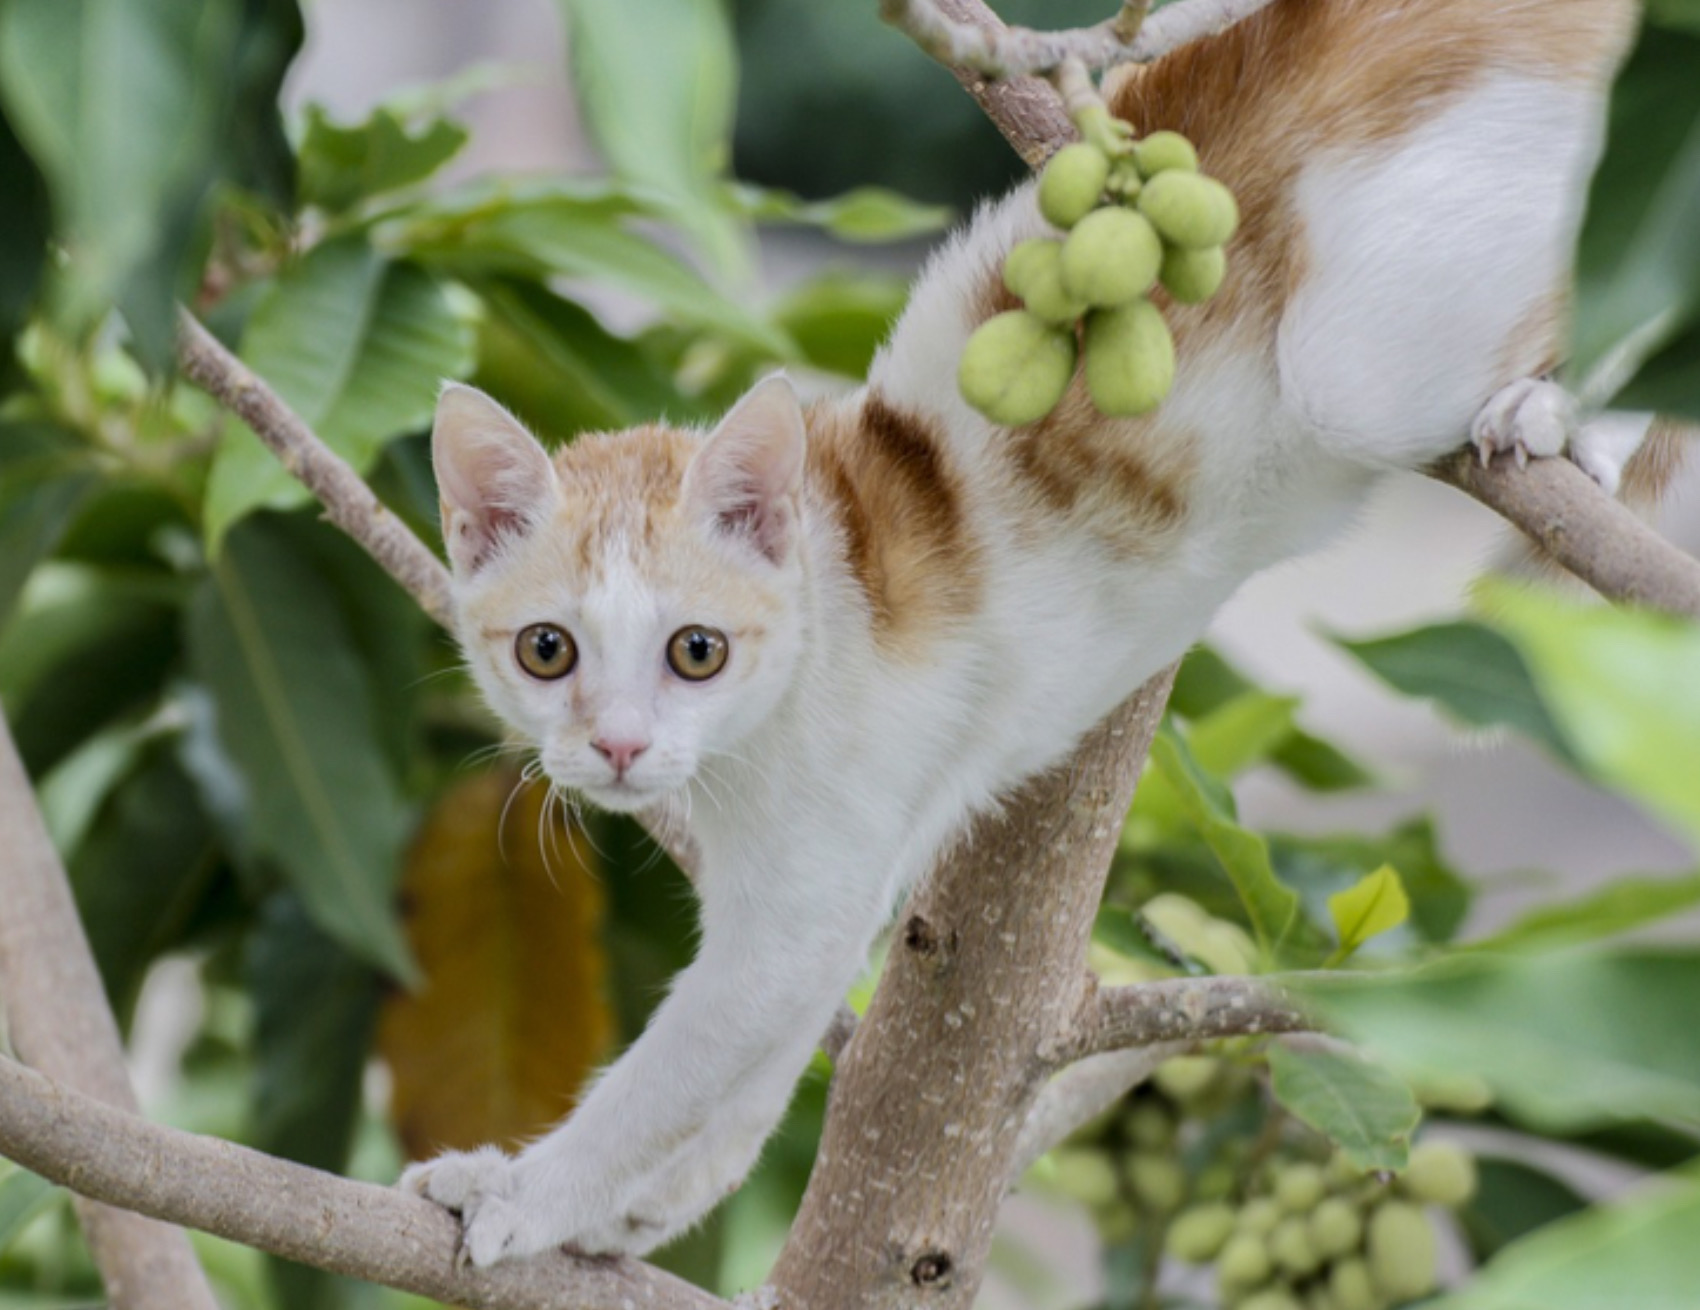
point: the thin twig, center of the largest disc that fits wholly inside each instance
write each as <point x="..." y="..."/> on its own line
<point x="1177" y="1009"/>
<point x="1001" y="52"/>
<point x="1584" y="529"/>
<point x="374" y="1233"/>
<point x="1080" y="1093"/>
<point x="58" y="1020"/>
<point x="348" y="501"/>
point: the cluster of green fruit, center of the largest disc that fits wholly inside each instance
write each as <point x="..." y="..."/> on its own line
<point x="1323" y="1236"/>
<point x="1137" y="213"/>
<point x="1190" y="1162"/>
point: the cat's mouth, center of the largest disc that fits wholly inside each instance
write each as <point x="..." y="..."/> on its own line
<point x="621" y="795"/>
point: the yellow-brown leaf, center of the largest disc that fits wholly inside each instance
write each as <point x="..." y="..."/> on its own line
<point x="503" y="913"/>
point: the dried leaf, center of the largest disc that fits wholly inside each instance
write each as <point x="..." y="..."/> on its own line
<point x="503" y="909"/>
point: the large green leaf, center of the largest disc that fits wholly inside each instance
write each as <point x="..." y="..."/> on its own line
<point x="1622" y="683"/>
<point x="839" y="320"/>
<point x="316" y="1009"/>
<point x="342" y="166"/>
<point x="122" y="104"/>
<point x="37" y="504"/>
<point x="22" y="1195"/>
<point x="24" y="229"/>
<point x="142" y="872"/>
<point x="1242" y="732"/>
<point x="1566" y="1040"/>
<point x="1320" y="866"/>
<point x="864" y="214"/>
<point x="574" y="232"/>
<point x="552" y="362"/>
<point x="1206" y="682"/>
<point x="355" y="344"/>
<point x="1620" y="906"/>
<point x="1638" y="265"/>
<point x="1272" y="908"/>
<point x="657" y="82"/>
<point x="1511" y="1200"/>
<point x="1638" y="1252"/>
<point x="1357" y="1104"/>
<point x="1470" y="670"/>
<point x="295" y="717"/>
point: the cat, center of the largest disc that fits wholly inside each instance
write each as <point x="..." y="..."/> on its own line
<point x="822" y="637"/>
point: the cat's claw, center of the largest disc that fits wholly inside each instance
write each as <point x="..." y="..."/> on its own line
<point x="1531" y="418"/>
<point x="479" y="1186"/>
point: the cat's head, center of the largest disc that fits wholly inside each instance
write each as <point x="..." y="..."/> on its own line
<point x="633" y="604"/>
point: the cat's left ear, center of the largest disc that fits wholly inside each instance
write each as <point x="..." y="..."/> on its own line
<point x="746" y="477"/>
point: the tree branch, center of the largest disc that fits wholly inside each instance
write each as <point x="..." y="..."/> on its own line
<point x="956" y="37"/>
<point x="374" y="1233"/>
<point x="1179" y="1009"/>
<point x="59" y="1021"/>
<point x="348" y="501"/>
<point x="1080" y="1093"/>
<point x="1588" y="532"/>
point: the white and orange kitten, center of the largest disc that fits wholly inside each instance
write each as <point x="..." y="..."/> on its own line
<point x="827" y="636"/>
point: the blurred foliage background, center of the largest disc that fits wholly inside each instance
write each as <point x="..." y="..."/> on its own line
<point x="305" y="850"/>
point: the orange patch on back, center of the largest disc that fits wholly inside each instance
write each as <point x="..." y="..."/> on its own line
<point x="885" y="475"/>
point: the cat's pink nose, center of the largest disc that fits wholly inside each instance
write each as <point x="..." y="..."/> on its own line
<point x="619" y="753"/>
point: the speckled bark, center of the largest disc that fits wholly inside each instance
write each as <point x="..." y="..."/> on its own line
<point x="930" y="1099"/>
<point x="58" y="1021"/>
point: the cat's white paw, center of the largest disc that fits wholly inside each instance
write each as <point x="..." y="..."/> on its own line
<point x="1531" y="418"/>
<point x="500" y="1218"/>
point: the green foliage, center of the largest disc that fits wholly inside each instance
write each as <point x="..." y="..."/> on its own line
<point x="236" y="721"/>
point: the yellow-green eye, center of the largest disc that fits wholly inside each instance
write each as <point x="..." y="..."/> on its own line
<point x="696" y="654"/>
<point x="545" y="651"/>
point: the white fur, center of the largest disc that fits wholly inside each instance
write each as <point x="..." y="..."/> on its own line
<point x="814" y="811"/>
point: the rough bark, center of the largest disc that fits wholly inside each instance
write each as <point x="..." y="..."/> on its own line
<point x="985" y="973"/>
<point x="376" y="1233"/>
<point x="59" y="1021"/>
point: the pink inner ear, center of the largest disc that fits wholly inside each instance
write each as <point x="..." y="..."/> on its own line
<point x="750" y="468"/>
<point x="493" y="476"/>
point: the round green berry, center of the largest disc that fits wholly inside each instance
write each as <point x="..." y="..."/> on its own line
<point x="1130" y="367"/>
<point x="1401" y="1251"/>
<point x="1189" y="209"/>
<point x="1193" y="276"/>
<point x="1112" y="256"/>
<point x="1352" y="1287"/>
<point x="1197" y="1234"/>
<point x="1016" y="367"/>
<point x="1290" y="1247"/>
<point x="1243" y="1261"/>
<point x="1158" y="1181"/>
<point x="1299" y="1186"/>
<point x="1162" y="152"/>
<point x="1336" y="1227"/>
<point x="1439" y="1173"/>
<point x="1072" y="183"/>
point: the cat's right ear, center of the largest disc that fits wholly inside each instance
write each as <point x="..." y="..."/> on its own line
<point x="494" y="479"/>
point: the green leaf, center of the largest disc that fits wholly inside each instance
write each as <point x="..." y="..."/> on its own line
<point x="1319" y="866"/>
<point x="37" y="504"/>
<point x="1639" y="1251"/>
<point x="357" y="346"/>
<point x="1242" y="732"/>
<point x="122" y="104"/>
<point x="316" y="1009"/>
<point x="576" y="231"/>
<point x="1638" y="269"/>
<point x="865" y="214"/>
<point x="657" y="82"/>
<point x="1513" y="1199"/>
<point x="1366" y="1110"/>
<point x="22" y="1196"/>
<point x="1669" y="379"/>
<point x="1547" y="1032"/>
<point x="839" y="320"/>
<point x="551" y="362"/>
<point x="1272" y="908"/>
<point x="1620" y="906"/>
<point x="295" y="716"/>
<point x="142" y="872"/>
<point x="1375" y="904"/>
<point x="1206" y="682"/>
<point x="25" y="226"/>
<point x="1470" y="670"/>
<point x="342" y="166"/>
<point x="1622" y="683"/>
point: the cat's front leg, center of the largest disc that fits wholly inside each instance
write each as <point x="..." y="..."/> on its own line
<point x="1538" y="418"/>
<point x="678" y="1120"/>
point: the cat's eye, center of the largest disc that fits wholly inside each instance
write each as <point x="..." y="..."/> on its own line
<point x="697" y="653"/>
<point x="545" y="651"/>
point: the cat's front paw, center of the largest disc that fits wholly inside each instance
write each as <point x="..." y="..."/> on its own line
<point x="499" y="1219"/>
<point x="1531" y="418"/>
